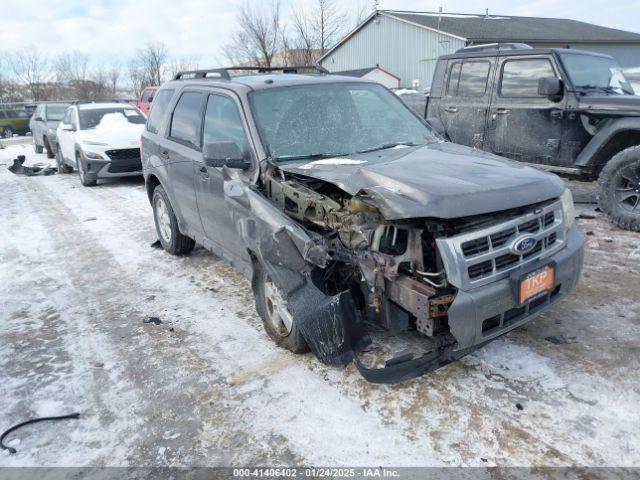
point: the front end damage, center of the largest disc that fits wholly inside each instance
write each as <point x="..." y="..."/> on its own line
<point x="363" y="288"/>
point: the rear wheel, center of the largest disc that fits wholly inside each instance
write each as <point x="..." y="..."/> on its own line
<point x="8" y="133"/>
<point x="278" y="321"/>
<point x="47" y="147"/>
<point x="36" y="147"/>
<point x="166" y="222"/>
<point x="84" y="179"/>
<point x="619" y="189"/>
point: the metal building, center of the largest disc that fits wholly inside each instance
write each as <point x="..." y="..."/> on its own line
<point x="407" y="44"/>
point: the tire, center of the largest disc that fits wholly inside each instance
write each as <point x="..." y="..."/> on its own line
<point x="619" y="189"/>
<point x="283" y="330"/>
<point x="47" y="147"/>
<point x="62" y="166"/>
<point x="8" y="133"/>
<point x="166" y="222"/>
<point x="84" y="180"/>
<point x="36" y="147"/>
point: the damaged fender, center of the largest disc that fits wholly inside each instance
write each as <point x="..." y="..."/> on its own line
<point x="328" y="323"/>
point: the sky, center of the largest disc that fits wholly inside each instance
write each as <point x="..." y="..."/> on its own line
<point x="111" y="30"/>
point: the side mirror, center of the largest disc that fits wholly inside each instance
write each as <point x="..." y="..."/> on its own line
<point x="220" y="154"/>
<point x="550" y="87"/>
<point x="38" y="119"/>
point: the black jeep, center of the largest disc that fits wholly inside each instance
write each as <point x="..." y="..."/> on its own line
<point x="566" y="110"/>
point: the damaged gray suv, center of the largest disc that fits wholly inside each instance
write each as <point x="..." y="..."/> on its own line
<point x="367" y="238"/>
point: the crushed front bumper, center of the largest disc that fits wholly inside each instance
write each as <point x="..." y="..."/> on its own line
<point x="95" y="169"/>
<point x="486" y="312"/>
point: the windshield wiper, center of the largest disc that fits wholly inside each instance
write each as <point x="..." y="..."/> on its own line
<point x="311" y="156"/>
<point x="590" y="88"/>
<point x="388" y="145"/>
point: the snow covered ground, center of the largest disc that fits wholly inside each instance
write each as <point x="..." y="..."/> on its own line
<point x="206" y="387"/>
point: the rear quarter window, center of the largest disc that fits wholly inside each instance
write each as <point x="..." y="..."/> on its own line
<point x="158" y="110"/>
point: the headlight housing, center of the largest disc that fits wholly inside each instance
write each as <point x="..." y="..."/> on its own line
<point x="568" y="209"/>
<point x="93" y="155"/>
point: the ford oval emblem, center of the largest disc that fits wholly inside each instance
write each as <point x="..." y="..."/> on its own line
<point x="524" y="244"/>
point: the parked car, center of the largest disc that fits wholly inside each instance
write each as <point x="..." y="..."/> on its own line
<point x="100" y="140"/>
<point x="349" y="214"/>
<point x="144" y="100"/>
<point x="13" y="121"/>
<point x="43" y="124"/>
<point x="562" y="109"/>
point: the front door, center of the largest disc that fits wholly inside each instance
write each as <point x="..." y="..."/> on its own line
<point x="222" y="123"/>
<point x="523" y="125"/>
<point x="67" y="135"/>
<point x="463" y="108"/>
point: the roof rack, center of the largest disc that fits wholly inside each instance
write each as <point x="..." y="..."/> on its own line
<point x="492" y="47"/>
<point x="223" y="73"/>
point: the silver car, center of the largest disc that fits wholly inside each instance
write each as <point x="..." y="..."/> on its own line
<point x="43" y="124"/>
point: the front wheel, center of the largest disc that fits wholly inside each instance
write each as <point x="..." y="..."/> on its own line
<point x="166" y="222"/>
<point x="84" y="179"/>
<point x="619" y="189"/>
<point x="278" y="321"/>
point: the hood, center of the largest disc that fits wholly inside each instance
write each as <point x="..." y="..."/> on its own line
<point x="441" y="180"/>
<point x="619" y="105"/>
<point x="108" y="139"/>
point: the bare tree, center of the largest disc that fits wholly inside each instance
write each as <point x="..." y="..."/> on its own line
<point x="29" y="67"/>
<point x="149" y="66"/>
<point x="180" y="64"/>
<point x="113" y="75"/>
<point x="259" y="35"/>
<point x="329" y="23"/>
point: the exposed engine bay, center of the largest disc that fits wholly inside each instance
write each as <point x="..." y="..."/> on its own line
<point x="392" y="268"/>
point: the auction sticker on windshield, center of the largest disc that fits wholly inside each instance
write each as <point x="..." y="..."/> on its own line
<point x="536" y="283"/>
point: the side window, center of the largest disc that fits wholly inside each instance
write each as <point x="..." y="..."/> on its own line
<point x="473" y="79"/>
<point x="454" y="76"/>
<point x="222" y="122"/>
<point x="520" y="77"/>
<point x="158" y="109"/>
<point x="187" y="118"/>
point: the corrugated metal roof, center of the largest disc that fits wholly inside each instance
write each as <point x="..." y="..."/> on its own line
<point x="499" y="28"/>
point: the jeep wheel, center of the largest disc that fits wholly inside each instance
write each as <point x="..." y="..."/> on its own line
<point x="47" y="147"/>
<point x="84" y="180"/>
<point x="166" y="222"/>
<point x="8" y="133"/>
<point x="619" y="189"/>
<point x="278" y="322"/>
<point x="62" y="166"/>
<point x="36" y="147"/>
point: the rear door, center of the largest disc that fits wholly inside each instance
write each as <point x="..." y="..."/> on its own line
<point x="466" y="98"/>
<point x="181" y="148"/>
<point x="523" y="125"/>
<point x="223" y="122"/>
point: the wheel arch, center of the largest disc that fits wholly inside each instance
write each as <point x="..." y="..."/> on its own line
<point x="614" y="137"/>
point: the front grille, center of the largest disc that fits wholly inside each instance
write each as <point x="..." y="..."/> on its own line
<point x="126" y="160"/>
<point x="479" y="257"/>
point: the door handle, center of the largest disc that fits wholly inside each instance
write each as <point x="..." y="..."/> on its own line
<point x="451" y="109"/>
<point x="502" y="111"/>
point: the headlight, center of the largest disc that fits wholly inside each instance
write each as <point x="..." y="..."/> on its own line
<point x="568" y="210"/>
<point x="100" y="144"/>
<point x="93" y="155"/>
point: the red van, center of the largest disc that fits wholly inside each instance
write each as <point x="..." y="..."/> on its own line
<point x="144" y="100"/>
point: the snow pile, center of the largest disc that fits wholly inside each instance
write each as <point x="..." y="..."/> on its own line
<point x="113" y="121"/>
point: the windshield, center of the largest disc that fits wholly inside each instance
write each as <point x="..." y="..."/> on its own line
<point x="55" y="112"/>
<point x="332" y="119"/>
<point x="591" y="73"/>
<point x="91" y="118"/>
